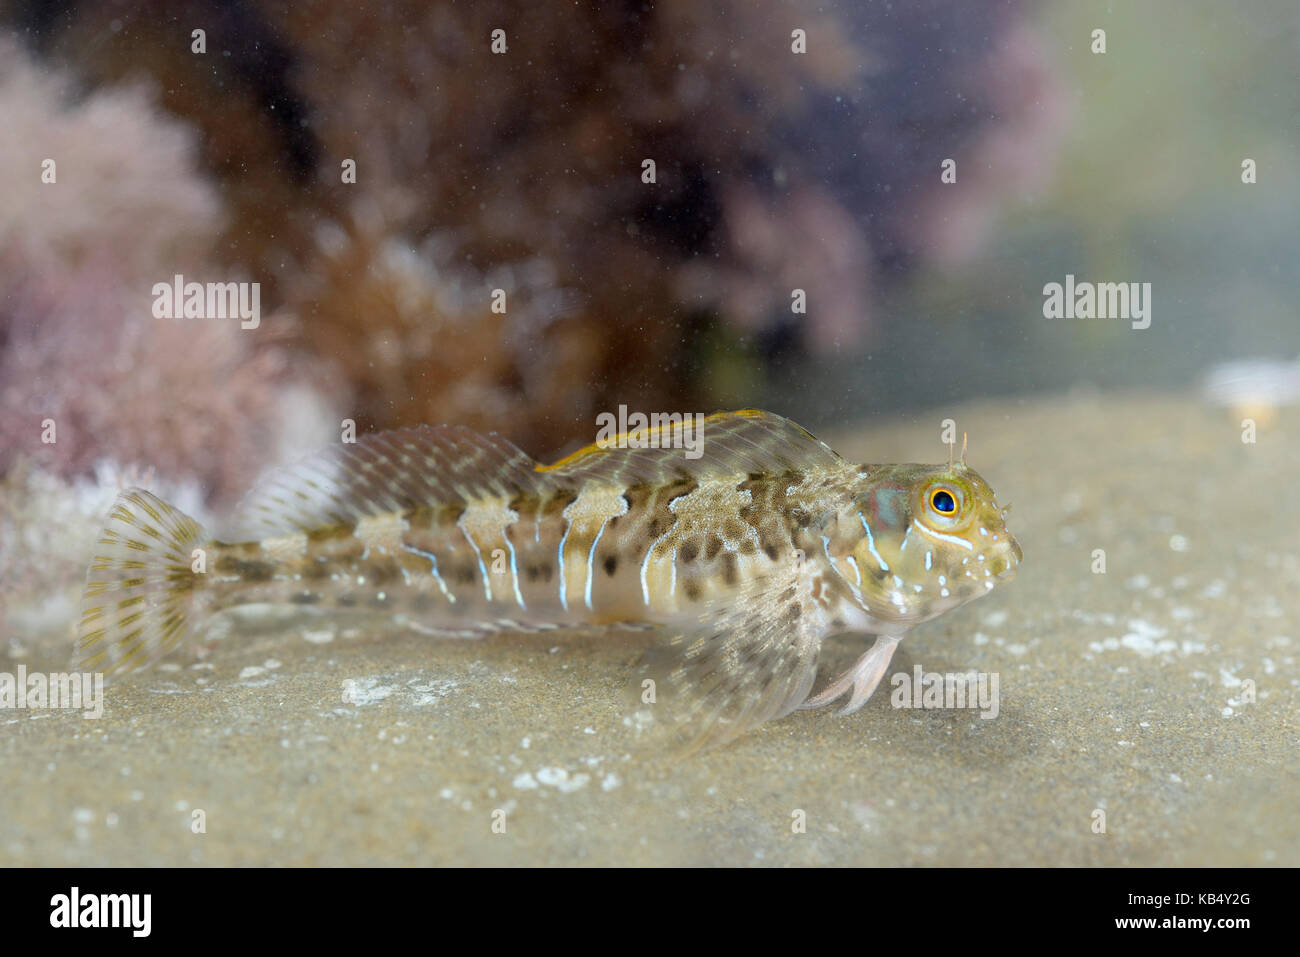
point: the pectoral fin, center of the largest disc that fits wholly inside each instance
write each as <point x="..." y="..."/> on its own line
<point x="736" y="665"/>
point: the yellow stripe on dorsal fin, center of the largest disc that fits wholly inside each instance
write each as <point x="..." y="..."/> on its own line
<point x="727" y="443"/>
<point x="432" y="466"/>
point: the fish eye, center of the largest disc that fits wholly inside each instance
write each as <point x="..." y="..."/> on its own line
<point x="943" y="501"/>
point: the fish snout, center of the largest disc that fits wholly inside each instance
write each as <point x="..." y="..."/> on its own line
<point x="1007" y="558"/>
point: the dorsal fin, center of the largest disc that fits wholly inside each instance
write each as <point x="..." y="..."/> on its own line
<point x="448" y="465"/>
<point x="381" y="473"/>
<point x="731" y="443"/>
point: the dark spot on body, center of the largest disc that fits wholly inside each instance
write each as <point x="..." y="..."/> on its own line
<point x="422" y="601"/>
<point x="305" y="598"/>
<point x="730" y="568"/>
<point x="771" y="551"/>
<point x="526" y="506"/>
<point x="555" y="505"/>
<point x="679" y="489"/>
<point x="633" y="501"/>
<point x="711" y="547"/>
<point x="611" y="564"/>
<point x="688" y="552"/>
<point x="657" y="507"/>
<point x="692" y="590"/>
<point x="420" y="519"/>
<point x="248" y="571"/>
<point x="330" y="533"/>
<point x="382" y="573"/>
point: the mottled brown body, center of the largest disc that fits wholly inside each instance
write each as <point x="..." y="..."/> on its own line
<point x="595" y="556"/>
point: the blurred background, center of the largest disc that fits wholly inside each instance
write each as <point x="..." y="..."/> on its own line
<point x="522" y="171"/>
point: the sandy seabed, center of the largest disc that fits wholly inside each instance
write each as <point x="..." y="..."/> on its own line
<point x="1125" y="693"/>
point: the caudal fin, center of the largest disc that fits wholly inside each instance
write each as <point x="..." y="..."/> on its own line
<point x="139" y="587"/>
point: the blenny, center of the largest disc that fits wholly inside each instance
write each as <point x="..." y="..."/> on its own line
<point x="747" y="558"/>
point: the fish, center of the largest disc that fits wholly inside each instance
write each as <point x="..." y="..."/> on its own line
<point x="743" y="559"/>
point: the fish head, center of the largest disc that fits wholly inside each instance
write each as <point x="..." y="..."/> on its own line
<point x="924" y="539"/>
